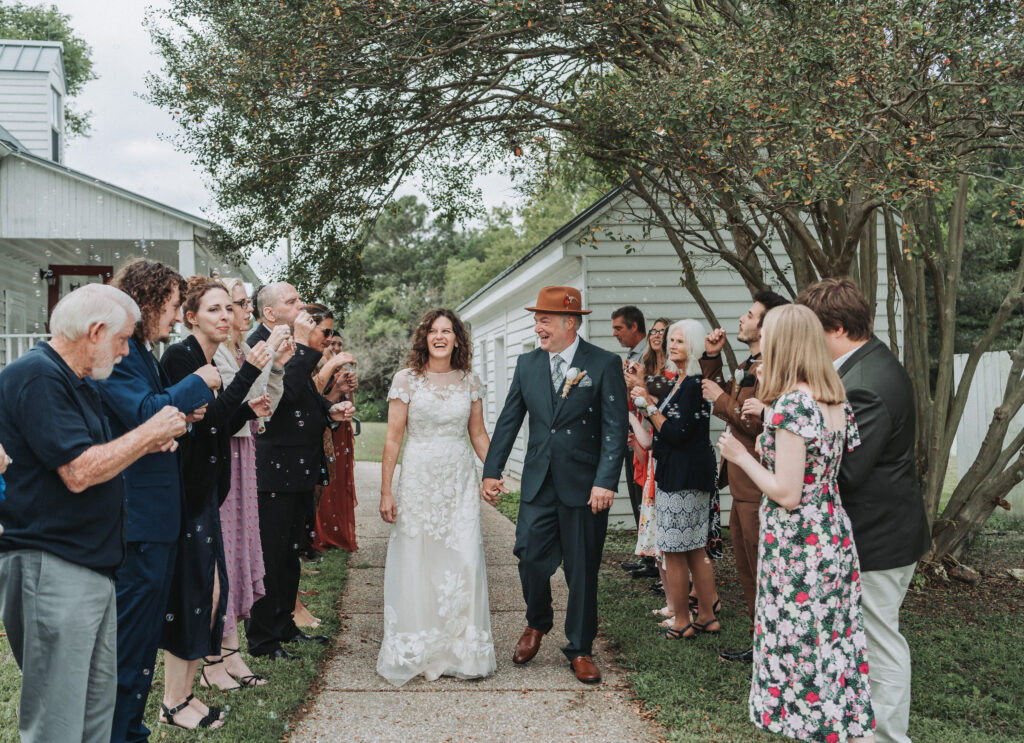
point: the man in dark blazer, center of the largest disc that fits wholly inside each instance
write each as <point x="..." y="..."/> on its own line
<point x="154" y="497"/>
<point x="879" y="490"/>
<point x="289" y="455"/>
<point x="576" y="397"/>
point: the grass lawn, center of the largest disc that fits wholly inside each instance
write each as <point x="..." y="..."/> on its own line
<point x="370" y="442"/>
<point x="260" y="715"/>
<point x="966" y="644"/>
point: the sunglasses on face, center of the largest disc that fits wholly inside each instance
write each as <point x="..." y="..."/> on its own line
<point x="243" y="304"/>
<point x="657" y="332"/>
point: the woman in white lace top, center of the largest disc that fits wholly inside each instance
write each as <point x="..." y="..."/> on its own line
<point x="436" y="613"/>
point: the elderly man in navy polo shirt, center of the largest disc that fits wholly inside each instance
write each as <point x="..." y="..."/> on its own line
<point x="63" y="516"/>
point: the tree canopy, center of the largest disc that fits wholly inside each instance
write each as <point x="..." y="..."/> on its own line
<point x="808" y="124"/>
<point x="46" y="23"/>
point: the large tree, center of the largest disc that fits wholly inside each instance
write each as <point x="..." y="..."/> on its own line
<point x="739" y="126"/>
<point x="46" y="23"/>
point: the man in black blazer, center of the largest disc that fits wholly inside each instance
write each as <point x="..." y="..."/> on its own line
<point x="576" y="397"/>
<point x="879" y="490"/>
<point x="289" y="455"/>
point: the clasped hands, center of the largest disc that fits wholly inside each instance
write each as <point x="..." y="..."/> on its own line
<point x="492" y="488"/>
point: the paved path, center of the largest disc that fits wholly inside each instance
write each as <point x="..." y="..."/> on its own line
<point x="541" y="700"/>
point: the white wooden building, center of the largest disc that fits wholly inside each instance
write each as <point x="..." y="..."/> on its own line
<point x="608" y="277"/>
<point x="60" y="228"/>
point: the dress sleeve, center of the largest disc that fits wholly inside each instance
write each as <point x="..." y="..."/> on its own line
<point x="400" y="387"/>
<point x="852" y="432"/>
<point x="476" y="388"/>
<point x="792" y="413"/>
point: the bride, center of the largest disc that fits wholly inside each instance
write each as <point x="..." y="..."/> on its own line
<point x="436" y="615"/>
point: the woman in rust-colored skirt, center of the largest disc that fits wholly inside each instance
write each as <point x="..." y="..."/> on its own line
<point x="335" y="514"/>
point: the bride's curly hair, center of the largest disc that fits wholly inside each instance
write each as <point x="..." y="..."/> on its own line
<point x="462" y="356"/>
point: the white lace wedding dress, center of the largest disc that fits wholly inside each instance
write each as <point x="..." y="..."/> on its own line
<point x="436" y="615"/>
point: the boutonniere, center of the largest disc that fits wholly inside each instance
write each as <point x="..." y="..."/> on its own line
<point x="572" y="377"/>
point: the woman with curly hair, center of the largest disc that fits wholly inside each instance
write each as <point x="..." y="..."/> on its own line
<point x="436" y="615"/>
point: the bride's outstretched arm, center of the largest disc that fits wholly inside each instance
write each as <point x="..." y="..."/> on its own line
<point x="478" y="431"/>
<point x="398" y="412"/>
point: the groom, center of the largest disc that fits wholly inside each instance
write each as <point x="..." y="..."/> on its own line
<point x="576" y="397"/>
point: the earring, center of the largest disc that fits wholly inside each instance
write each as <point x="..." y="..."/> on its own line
<point x="456" y="347"/>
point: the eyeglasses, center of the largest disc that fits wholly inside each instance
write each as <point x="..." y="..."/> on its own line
<point x="244" y="304"/>
<point x="657" y="332"/>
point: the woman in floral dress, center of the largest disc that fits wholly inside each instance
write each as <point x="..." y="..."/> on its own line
<point x="810" y="673"/>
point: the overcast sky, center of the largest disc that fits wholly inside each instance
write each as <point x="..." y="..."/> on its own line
<point x="126" y="145"/>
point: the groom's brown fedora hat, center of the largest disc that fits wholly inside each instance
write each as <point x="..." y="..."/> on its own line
<point x="559" y="300"/>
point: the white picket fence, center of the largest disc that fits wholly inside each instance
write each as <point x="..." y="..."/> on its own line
<point x="985" y="396"/>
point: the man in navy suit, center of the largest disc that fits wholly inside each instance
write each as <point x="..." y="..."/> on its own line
<point x="154" y="498"/>
<point x="575" y="395"/>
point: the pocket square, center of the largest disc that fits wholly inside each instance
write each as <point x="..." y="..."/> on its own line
<point x="586" y="382"/>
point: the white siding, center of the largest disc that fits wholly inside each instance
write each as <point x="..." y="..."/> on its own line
<point x="39" y="202"/>
<point x="610" y="277"/>
<point x="25" y="109"/>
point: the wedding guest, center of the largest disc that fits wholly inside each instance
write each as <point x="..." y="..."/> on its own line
<point x="63" y="515"/>
<point x="630" y="329"/>
<point x="657" y="373"/>
<point x="737" y="402"/>
<point x="810" y="679"/>
<point x="154" y="494"/>
<point x="288" y="460"/>
<point x="274" y="304"/>
<point x="194" y="623"/>
<point x="684" y="478"/>
<point x="878" y="488"/>
<point x="335" y="516"/>
<point x="239" y="514"/>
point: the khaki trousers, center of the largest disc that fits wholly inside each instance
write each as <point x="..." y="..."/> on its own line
<point x="882" y="593"/>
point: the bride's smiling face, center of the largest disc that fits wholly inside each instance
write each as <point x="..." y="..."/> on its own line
<point x="441" y="339"/>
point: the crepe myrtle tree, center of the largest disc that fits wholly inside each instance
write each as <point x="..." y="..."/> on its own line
<point x="739" y="126"/>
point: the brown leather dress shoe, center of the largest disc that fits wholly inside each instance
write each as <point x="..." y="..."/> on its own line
<point x="527" y="646"/>
<point x="585" y="670"/>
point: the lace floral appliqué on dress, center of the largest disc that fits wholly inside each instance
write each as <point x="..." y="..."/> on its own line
<point x="436" y="614"/>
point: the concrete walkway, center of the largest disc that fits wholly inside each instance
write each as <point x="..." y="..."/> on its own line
<point x="542" y="700"/>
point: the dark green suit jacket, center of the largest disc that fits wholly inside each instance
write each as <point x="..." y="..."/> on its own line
<point x="580" y="439"/>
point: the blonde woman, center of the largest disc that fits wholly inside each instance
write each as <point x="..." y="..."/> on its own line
<point x="810" y="678"/>
<point x="239" y="514"/>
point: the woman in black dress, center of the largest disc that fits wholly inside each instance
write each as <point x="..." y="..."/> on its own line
<point x="194" y="621"/>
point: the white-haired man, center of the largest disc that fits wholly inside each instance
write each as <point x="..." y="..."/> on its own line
<point x="63" y="515"/>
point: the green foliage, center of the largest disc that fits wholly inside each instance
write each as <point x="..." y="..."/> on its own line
<point x="20" y="20"/>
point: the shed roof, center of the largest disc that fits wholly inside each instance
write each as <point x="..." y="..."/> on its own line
<point x="31" y="56"/>
<point x="567" y="229"/>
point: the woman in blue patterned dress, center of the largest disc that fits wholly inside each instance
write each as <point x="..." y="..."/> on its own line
<point x="810" y="674"/>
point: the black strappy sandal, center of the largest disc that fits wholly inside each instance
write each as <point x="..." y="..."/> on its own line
<point x="703" y="628"/>
<point x="206" y="683"/>
<point x="250" y="681"/>
<point x="677" y="634"/>
<point x="211" y="717"/>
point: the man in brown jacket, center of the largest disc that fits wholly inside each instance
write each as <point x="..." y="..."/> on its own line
<point x="736" y="402"/>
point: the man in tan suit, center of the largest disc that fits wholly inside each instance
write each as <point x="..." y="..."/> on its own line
<point x="736" y="402"/>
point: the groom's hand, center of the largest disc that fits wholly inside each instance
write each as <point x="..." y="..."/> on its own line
<point x="491" y="490"/>
<point x="600" y="499"/>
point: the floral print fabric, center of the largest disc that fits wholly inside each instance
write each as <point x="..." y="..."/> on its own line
<point x="810" y="671"/>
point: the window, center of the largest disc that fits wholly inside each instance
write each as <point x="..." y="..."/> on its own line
<point x="56" y="126"/>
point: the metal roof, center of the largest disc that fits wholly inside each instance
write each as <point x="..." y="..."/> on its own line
<point x="31" y="56"/>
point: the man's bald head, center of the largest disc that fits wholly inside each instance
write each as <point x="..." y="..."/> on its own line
<point x="279" y="304"/>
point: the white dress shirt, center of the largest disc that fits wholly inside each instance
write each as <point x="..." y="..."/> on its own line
<point x="567" y="353"/>
<point x="838" y="363"/>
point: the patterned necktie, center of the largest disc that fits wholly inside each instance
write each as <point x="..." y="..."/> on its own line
<point x="558" y="374"/>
